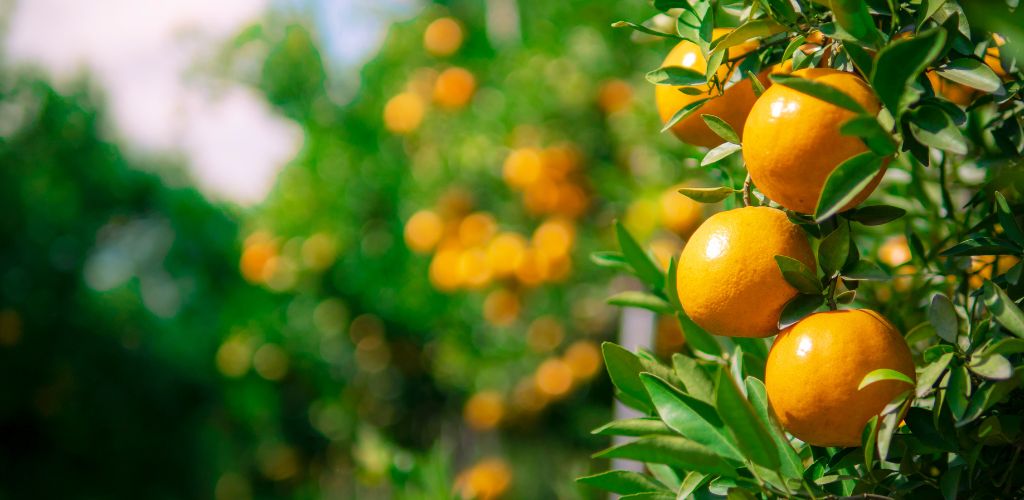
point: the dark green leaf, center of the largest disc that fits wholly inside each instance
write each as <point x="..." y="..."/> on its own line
<point x="933" y="127"/>
<point x="692" y="418"/>
<point x="871" y="132"/>
<point x="845" y="298"/>
<point x="847" y="181"/>
<point x="696" y="337"/>
<point x="695" y="380"/>
<point x="868" y="439"/>
<point x="623" y="482"/>
<point x="1006" y="347"/>
<point x="988" y="395"/>
<point x="798" y="308"/>
<point x="819" y="90"/>
<point x="792" y="466"/>
<point x="746" y="428"/>
<point x="609" y="259"/>
<point x="676" y="451"/>
<point x="1008" y="220"/>
<point x="834" y="250"/>
<point x="641" y="263"/>
<point x="883" y="374"/>
<point x="671" y="290"/>
<point x="798" y="275"/>
<point x="684" y="112"/>
<point x="899" y="63"/>
<point x="721" y="129"/>
<point x="624" y="369"/>
<point x="957" y="391"/>
<point x="641" y="300"/>
<point x="708" y="195"/>
<point x="719" y="153"/>
<point x="931" y="373"/>
<point x="634" y="427"/>
<point x="666" y="5"/>
<point x="981" y="246"/>
<point x="675" y="75"/>
<point x="875" y="215"/>
<point x="643" y="29"/>
<point x="942" y="316"/>
<point x="971" y="72"/>
<point x="991" y="366"/>
<point x="1006" y="312"/>
<point x="860" y="57"/>
<point x="854" y="18"/>
<point x="865" y="270"/>
<point x="656" y="495"/>
<point x="757" y="28"/>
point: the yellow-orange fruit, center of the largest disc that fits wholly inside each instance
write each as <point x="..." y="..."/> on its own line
<point x="423" y="231"/>
<point x="454" y="88"/>
<point x="680" y="214"/>
<point x="442" y="37"/>
<point x="791" y="141"/>
<point x="732" y="106"/>
<point x="403" y="113"/>
<point x="615" y="95"/>
<point x="894" y="251"/>
<point x="983" y="265"/>
<point x="815" y="367"/>
<point x="956" y="93"/>
<point x="728" y="280"/>
<point x="484" y="410"/>
<point x="992" y="57"/>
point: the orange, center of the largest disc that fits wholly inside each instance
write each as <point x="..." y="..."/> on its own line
<point x="477" y="228"/>
<point x="522" y="167"/>
<point x="423" y="231"/>
<point x="732" y="106"/>
<point x="544" y="334"/>
<point x="554" y="238"/>
<point x="894" y="251"/>
<point x="484" y="410"/>
<point x="442" y="37"/>
<point x="486" y="480"/>
<point x="791" y="141"/>
<point x="583" y="358"/>
<point x="954" y="92"/>
<point x="816" y="365"/>
<point x="505" y="252"/>
<point x="983" y="265"/>
<point x="680" y="214"/>
<point x="554" y="377"/>
<point x="501" y="307"/>
<point x="992" y="58"/>
<point x="614" y="96"/>
<point x="403" y="113"/>
<point x="728" y="281"/>
<point x="454" y="88"/>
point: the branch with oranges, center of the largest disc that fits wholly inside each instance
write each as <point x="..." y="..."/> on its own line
<point x="804" y="373"/>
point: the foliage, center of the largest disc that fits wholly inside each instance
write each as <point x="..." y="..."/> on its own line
<point x="952" y="205"/>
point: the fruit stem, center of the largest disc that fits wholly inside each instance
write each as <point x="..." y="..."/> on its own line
<point x="832" y="293"/>
<point x="746" y="191"/>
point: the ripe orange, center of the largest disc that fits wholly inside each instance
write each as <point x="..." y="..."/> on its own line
<point x="983" y="265"/>
<point x="454" y="88"/>
<point x="816" y="365"/>
<point x="484" y="410"/>
<point x="615" y="95"/>
<point x="403" y="113"/>
<point x="728" y="280"/>
<point x="423" y="231"/>
<point x="992" y="57"/>
<point x="680" y="214"/>
<point x="956" y="93"/>
<point x="501" y="307"/>
<point x="791" y="141"/>
<point x="895" y="251"/>
<point x="732" y="106"/>
<point x="442" y="37"/>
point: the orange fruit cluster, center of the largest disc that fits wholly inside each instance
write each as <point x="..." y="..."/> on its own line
<point x="266" y="261"/>
<point x="548" y="179"/>
<point x="486" y="480"/>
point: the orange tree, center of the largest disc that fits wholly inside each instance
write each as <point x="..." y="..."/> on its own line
<point x="811" y="368"/>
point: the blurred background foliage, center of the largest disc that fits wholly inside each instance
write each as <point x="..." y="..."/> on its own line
<point x="411" y="308"/>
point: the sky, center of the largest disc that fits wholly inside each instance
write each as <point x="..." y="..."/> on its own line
<point x="143" y="55"/>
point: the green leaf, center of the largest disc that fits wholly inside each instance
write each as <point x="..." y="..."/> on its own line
<point x="798" y="308"/>
<point x="747" y="429"/>
<point x="791" y="465"/>
<point x="868" y="439"/>
<point x="871" y="132"/>
<point x="634" y="427"/>
<point x="889" y="423"/>
<point x="1003" y="308"/>
<point x="675" y="75"/>
<point x="875" y="215"/>
<point x="708" y="195"/>
<point x="643" y="29"/>
<point x="757" y="28"/>
<point x="687" y="110"/>
<point x="845" y="298"/>
<point x="865" y="270"/>
<point x="1008" y="220"/>
<point x="755" y="83"/>
<point x="642" y="300"/>
<point x="692" y="418"/>
<point x="942" y="316"/>
<point x="623" y="482"/>
<point x="690" y="484"/>
<point x="819" y="90"/>
<point x="933" y="127"/>
<point x="667" y="475"/>
<point x="854" y="18"/>
<point x="1005" y="347"/>
<point x="645" y="268"/>
<point x="649" y="495"/>
<point x="981" y="246"/>
<point x="720" y="152"/>
<point x="883" y="374"/>
<point x="671" y="290"/>
<point x="899" y="64"/>
<point x="667" y="5"/>
<point x="861" y="59"/>
<point x="609" y="259"/>
<point x="624" y="369"/>
<point x="834" y="250"/>
<point x="695" y="23"/>
<point x="991" y="366"/>
<point x="972" y="73"/>
<point x="798" y="275"/>
<point x="988" y="395"/>
<point x="931" y="373"/>
<point x="696" y="337"/>
<point x="694" y="378"/>
<point x="957" y="391"/>
<point x="675" y="451"/>
<point x="847" y="181"/>
<point x="721" y="129"/>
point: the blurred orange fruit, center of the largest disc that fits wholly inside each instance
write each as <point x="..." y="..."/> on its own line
<point x="522" y="167"/>
<point x="992" y="58"/>
<point x="486" y="480"/>
<point x="954" y="92"/>
<point x="501" y="307"/>
<point x="473" y="269"/>
<point x="505" y="253"/>
<point x="982" y="267"/>
<point x="484" y="410"/>
<point x="792" y="142"/>
<point x="583" y="358"/>
<point x="554" y="238"/>
<point x="680" y="214"/>
<point x="895" y="251"/>
<point x="533" y="269"/>
<point x="614" y="96"/>
<point x="423" y="231"/>
<point x="544" y="334"/>
<point x="442" y="37"/>
<point x="815" y="367"/>
<point x="255" y="258"/>
<point x="554" y="377"/>
<point x="444" y="269"/>
<point x="732" y="106"/>
<point x="728" y="280"/>
<point x="477" y="228"/>
<point x="454" y="88"/>
<point x="403" y="113"/>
